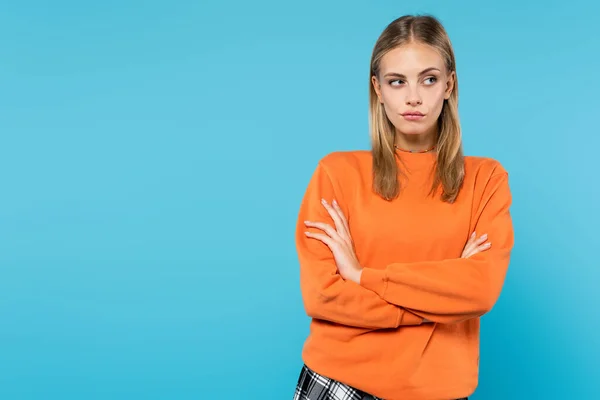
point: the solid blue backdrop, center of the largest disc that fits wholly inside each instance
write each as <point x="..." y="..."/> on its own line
<point x="153" y="156"/>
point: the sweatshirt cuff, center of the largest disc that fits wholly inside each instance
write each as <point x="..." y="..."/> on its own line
<point x="374" y="280"/>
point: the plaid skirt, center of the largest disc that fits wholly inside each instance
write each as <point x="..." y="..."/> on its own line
<point x="313" y="386"/>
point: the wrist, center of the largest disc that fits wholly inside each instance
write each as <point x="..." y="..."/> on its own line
<point x="357" y="275"/>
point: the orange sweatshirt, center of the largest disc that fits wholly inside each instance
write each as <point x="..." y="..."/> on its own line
<point x="372" y="335"/>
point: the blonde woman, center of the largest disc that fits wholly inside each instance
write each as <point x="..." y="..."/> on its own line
<point x="404" y="247"/>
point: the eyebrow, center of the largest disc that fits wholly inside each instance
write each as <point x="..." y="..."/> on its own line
<point x="421" y="73"/>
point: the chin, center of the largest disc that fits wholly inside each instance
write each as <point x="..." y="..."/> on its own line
<point x="412" y="130"/>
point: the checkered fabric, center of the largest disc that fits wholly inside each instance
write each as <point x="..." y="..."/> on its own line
<point x="312" y="386"/>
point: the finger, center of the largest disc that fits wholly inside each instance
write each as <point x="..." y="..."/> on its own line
<point x="472" y="237"/>
<point x="470" y="253"/>
<point x="337" y="208"/>
<point x="484" y="246"/>
<point x="469" y="246"/>
<point x="339" y="225"/>
<point x="481" y="239"/>
<point x="324" y="227"/>
<point x="478" y="249"/>
<point x="466" y="254"/>
<point x="322" y="237"/>
<point x="472" y="244"/>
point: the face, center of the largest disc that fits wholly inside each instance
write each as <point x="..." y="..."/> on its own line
<point x="412" y="85"/>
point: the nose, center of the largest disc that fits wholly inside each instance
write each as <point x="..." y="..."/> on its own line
<point x="413" y="98"/>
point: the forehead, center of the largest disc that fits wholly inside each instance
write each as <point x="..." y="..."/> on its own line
<point x="411" y="58"/>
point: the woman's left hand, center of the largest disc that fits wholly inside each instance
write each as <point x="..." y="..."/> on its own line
<point x="339" y="241"/>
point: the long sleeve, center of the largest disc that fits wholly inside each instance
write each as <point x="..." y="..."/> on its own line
<point x="326" y="295"/>
<point x="454" y="290"/>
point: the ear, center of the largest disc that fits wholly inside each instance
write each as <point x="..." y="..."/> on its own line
<point x="377" y="87"/>
<point x="450" y="85"/>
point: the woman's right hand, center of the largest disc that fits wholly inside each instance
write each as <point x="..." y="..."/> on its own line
<point x="475" y="246"/>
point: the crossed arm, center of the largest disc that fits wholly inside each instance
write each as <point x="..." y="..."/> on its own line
<point x="336" y="288"/>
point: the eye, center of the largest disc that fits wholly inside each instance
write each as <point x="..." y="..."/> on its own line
<point x="391" y="83"/>
<point x="431" y="80"/>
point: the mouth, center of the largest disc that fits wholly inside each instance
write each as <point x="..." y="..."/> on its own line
<point x="413" y="115"/>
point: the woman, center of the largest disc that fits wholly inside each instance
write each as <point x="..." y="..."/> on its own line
<point x="395" y="244"/>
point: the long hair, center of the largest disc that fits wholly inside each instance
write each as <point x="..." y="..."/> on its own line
<point x="449" y="171"/>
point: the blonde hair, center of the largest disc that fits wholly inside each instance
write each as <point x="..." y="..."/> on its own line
<point x="449" y="171"/>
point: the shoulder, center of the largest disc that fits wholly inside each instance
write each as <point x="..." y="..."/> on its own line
<point x="485" y="176"/>
<point x="346" y="171"/>
<point x="484" y="167"/>
<point x="343" y="163"/>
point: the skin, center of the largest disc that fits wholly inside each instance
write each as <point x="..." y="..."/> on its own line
<point x="339" y="240"/>
<point x="412" y="77"/>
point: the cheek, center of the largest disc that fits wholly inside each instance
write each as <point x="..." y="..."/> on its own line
<point x="390" y="99"/>
<point x="435" y="101"/>
<point x="392" y="105"/>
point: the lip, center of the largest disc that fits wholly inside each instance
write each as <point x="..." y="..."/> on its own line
<point x="413" y="115"/>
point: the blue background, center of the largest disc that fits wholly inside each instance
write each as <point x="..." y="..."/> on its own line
<point x="153" y="156"/>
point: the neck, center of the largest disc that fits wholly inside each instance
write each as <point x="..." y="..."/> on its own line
<point x="415" y="143"/>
